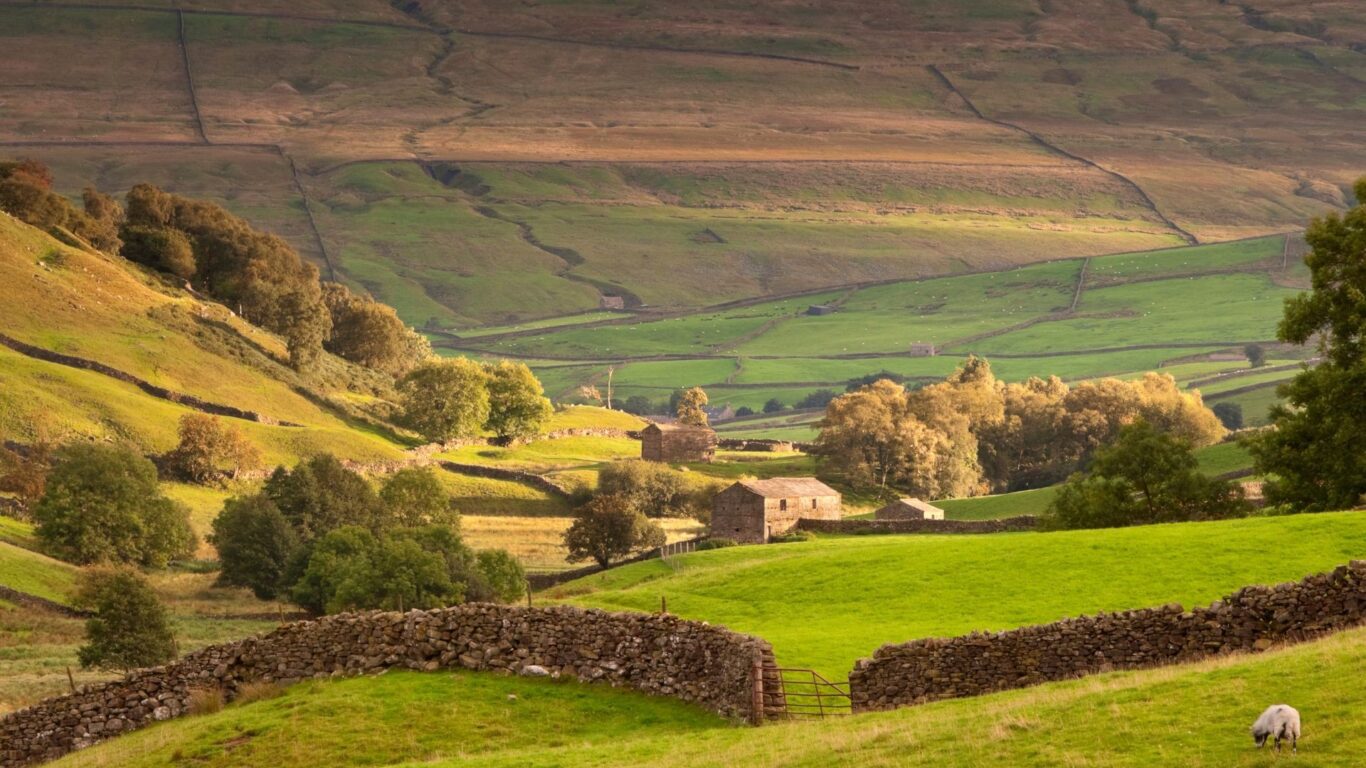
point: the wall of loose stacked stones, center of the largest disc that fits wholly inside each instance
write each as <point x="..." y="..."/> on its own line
<point x="1252" y="619"/>
<point x="1004" y="525"/>
<point x="657" y="654"/>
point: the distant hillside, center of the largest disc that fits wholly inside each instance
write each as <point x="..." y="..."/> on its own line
<point x="474" y="162"/>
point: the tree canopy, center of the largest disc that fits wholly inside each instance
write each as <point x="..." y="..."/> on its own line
<point x="1313" y="454"/>
<point x="608" y="528"/>
<point x="102" y="505"/>
<point x="129" y="628"/>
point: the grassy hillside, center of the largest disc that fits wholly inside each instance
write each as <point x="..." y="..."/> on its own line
<point x="101" y="308"/>
<point x="1190" y="715"/>
<point x="35" y="574"/>
<point x="823" y="604"/>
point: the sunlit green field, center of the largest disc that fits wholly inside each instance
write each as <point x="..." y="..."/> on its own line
<point x="823" y="604"/>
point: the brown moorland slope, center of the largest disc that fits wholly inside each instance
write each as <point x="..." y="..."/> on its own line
<point x="470" y="161"/>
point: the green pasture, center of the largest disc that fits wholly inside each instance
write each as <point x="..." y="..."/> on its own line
<point x="825" y="603"/>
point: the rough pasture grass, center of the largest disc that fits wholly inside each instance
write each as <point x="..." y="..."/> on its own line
<point x="406" y="717"/>
<point x="1032" y="502"/>
<point x="825" y="603"/>
<point x="1256" y="404"/>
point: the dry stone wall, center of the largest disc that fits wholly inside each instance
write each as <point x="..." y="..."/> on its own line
<point x="1004" y="525"/>
<point x="1251" y="619"/>
<point x="657" y="654"/>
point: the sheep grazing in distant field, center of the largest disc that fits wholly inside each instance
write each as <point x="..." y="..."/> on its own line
<point x="1279" y="721"/>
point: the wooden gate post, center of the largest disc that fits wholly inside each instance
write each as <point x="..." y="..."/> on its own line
<point x="756" y="676"/>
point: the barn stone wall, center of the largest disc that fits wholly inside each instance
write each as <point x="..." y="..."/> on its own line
<point x="1251" y="619"/>
<point x="678" y="445"/>
<point x="657" y="654"/>
<point x="1004" y="525"/>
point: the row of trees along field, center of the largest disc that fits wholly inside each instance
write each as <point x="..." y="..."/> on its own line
<point x="973" y="434"/>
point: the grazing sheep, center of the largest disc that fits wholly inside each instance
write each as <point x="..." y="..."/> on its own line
<point x="1281" y="722"/>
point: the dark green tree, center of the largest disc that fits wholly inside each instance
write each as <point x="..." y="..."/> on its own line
<point x="353" y="569"/>
<point x="414" y="497"/>
<point x="608" y="528"/>
<point x="321" y="495"/>
<point x="130" y="628"/>
<point x="102" y="505"/>
<point x="255" y="545"/>
<point x="1229" y="414"/>
<point x="652" y="488"/>
<point x="773" y="405"/>
<point x="1256" y="355"/>
<point x="163" y="249"/>
<point x="1144" y="477"/>
<point x="1313" y="455"/>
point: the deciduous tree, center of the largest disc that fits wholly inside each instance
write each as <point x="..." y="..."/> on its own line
<point x="1144" y="477"/>
<point x="608" y="528"/>
<point x="692" y="407"/>
<point x="1314" y="454"/>
<point x="208" y="447"/>
<point x="255" y="544"/>
<point x="130" y="628"/>
<point x="518" y="407"/>
<point x="414" y="497"/>
<point x="102" y="505"/>
<point x="445" y="399"/>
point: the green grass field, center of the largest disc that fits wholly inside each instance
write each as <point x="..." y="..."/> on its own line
<point x="1158" y="310"/>
<point x="825" y="603"/>
<point x="35" y="574"/>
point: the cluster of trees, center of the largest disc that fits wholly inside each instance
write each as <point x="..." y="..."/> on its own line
<point x="209" y="449"/>
<point x="1144" y="477"/>
<point x="255" y="273"/>
<point x="448" y="399"/>
<point x="26" y="194"/>
<point x="322" y="537"/>
<point x="616" y="522"/>
<point x="1313" y="453"/>
<point x="973" y="434"/>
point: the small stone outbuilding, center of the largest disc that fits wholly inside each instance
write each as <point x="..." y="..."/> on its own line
<point x="677" y="443"/>
<point x="909" y="509"/>
<point x="751" y="511"/>
<point x="921" y="349"/>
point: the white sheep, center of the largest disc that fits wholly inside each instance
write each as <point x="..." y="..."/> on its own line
<point x="1280" y="721"/>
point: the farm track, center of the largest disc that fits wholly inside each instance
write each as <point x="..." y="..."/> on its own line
<point x="1055" y="149"/>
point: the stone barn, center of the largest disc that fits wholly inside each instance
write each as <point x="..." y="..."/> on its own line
<point x="677" y="443"/>
<point x="751" y="511"/>
<point x="922" y="349"/>
<point x="909" y="509"/>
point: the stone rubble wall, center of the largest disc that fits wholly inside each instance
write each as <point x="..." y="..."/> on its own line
<point x="1251" y="619"/>
<point x="1004" y="525"/>
<point x="656" y="654"/>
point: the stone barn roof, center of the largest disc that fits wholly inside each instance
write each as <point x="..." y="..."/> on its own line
<point x="788" y="487"/>
<point x="657" y="427"/>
